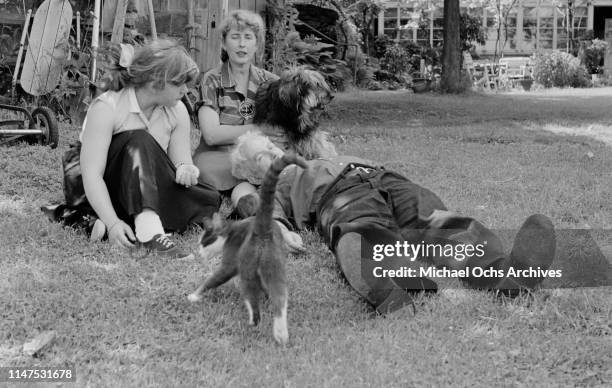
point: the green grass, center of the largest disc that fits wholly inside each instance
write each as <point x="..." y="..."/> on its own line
<point x="499" y="158"/>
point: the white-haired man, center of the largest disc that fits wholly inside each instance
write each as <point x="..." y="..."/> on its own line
<point x="359" y="208"/>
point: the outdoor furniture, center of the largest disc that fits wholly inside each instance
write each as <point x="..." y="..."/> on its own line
<point x="468" y="64"/>
<point x="420" y="85"/>
<point x="513" y="69"/>
<point x="487" y="75"/>
<point x="507" y="72"/>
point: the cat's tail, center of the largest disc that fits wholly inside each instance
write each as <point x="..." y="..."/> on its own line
<point x="263" y="220"/>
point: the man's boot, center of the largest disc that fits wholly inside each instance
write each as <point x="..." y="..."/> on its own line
<point x="534" y="248"/>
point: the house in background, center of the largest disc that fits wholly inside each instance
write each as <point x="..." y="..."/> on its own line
<point x="531" y="25"/>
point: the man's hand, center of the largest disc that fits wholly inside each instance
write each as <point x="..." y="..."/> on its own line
<point x="293" y="240"/>
<point x="187" y="175"/>
<point x="439" y="217"/>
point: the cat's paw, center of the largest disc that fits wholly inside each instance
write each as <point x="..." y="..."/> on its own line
<point x="253" y="314"/>
<point x="193" y="297"/>
<point x="280" y="331"/>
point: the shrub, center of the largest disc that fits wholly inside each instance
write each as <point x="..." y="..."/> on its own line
<point x="431" y="55"/>
<point x="592" y="54"/>
<point x="381" y="43"/>
<point x="471" y="32"/>
<point x="285" y="47"/>
<point x="314" y="54"/>
<point x="414" y="52"/>
<point x="360" y="66"/>
<point x="559" y="69"/>
<point x="396" y="60"/>
<point x="365" y="74"/>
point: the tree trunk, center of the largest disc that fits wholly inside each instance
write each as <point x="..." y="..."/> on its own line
<point x="499" y="30"/>
<point x="451" y="53"/>
<point x="343" y="23"/>
<point x="365" y="32"/>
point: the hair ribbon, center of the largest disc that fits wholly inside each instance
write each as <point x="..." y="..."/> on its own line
<point x="127" y="55"/>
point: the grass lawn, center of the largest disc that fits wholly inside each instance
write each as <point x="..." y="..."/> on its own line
<point x="127" y="322"/>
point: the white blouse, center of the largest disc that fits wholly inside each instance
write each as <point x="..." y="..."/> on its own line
<point x="128" y="116"/>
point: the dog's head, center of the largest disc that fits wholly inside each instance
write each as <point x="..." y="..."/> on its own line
<point x="295" y="102"/>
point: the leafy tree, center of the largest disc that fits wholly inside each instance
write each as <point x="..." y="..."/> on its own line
<point x="364" y="12"/>
<point x="592" y="55"/>
<point x="471" y="32"/>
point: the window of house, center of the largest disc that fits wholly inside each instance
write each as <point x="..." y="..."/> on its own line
<point x="580" y="20"/>
<point x="509" y="30"/>
<point x="562" y="28"/>
<point x="424" y="28"/>
<point x="438" y="27"/>
<point x="546" y="27"/>
<point x="491" y="19"/>
<point x="390" y="13"/>
<point x="390" y="23"/>
<point x="491" y="24"/>
<point x="406" y="21"/>
<point x="530" y="23"/>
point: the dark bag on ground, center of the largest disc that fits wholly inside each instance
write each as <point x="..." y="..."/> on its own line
<point x="76" y="211"/>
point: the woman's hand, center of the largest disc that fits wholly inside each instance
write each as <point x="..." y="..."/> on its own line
<point x="96" y="139"/>
<point x="179" y="148"/>
<point x="187" y="175"/>
<point x="120" y="234"/>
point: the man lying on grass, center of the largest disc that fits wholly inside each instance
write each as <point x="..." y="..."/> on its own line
<point x="388" y="233"/>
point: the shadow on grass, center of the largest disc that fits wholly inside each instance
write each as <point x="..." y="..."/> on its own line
<point x="584" y="257"/>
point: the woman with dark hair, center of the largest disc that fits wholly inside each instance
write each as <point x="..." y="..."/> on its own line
<point x="226" y="109"/>
<point x="135" y="156"/>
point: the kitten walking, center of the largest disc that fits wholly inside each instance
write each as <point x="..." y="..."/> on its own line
<point x="254" y="250"/>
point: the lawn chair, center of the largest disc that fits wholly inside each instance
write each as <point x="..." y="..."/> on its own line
<point x="490" y="76"/>
<point x="515" y="69"/>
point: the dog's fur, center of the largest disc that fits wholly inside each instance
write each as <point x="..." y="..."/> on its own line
<point x="254" y="250"/>
<point x="294" y="103"/>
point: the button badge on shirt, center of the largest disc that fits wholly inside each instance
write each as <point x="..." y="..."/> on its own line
<point x="247" y="109"/>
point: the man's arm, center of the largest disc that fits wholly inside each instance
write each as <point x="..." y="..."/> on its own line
<point x="247" y="206"/>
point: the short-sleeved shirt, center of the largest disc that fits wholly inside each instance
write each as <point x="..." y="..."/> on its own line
<point x="218" y="91"/>
<point x="299" y="191"/>
<point x="128" y="116"/>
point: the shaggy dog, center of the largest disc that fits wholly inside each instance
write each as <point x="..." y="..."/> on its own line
<point x="293" y="105"/>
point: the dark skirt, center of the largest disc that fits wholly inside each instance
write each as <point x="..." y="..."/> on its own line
<point x="140" y="175"/>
